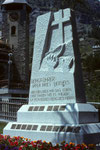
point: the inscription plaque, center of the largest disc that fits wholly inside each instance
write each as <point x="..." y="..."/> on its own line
<point x="62" y="108"/>
<point x="18" y="126"/>
<point x="49" y="128"/>
<point x="30" y="108"/>
<point x="41" y="108"/>
<point x="43" y="128"/>
<point x="55" y="108"/>
<point x="62" y="129"/>
<point x="29" y="127"/>
<point x="23" y="127"/>
<point x="49" y="108"/>
<point x="69" y="129"/>
<point x="13" y="126"/>
<point x="35" y="127"/>
<point x="36" y="108"/>
<point x="56" y="128"/>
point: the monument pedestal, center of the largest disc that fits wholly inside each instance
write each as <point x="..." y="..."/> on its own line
<point x="76" y="123"/>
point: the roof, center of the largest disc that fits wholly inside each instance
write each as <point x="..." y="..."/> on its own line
<point x="14" y="1"/>
<point x="6" y="2"/>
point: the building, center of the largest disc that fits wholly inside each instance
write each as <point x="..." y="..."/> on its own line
<point x="15" y="35"/>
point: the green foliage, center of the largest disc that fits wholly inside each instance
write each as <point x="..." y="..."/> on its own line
<point x="2" y="125"/>
<point x="91" y="69"/>
<point x="93" y="90"/>
<point x="92" y="63"/>
<point x="74" y="3"/>
<point x="96" y="32"/>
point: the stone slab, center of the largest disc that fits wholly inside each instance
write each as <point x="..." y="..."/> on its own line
<point x="71" y="114"/>
<point x="56" y="69"/>
<point x="83" y="133"/>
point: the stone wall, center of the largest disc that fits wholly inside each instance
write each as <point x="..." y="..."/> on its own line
<point x="20" y="45"/>
<point x="23" y="47"/>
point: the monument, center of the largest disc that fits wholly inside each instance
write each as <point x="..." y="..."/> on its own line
<point x="57" y="108"/>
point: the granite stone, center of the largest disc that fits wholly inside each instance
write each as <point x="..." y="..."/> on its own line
<point x="56" y="74"/>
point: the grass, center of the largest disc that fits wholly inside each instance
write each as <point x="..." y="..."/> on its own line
<point x="2" y="125"/>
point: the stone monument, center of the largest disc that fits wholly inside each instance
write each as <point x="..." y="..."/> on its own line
<point x="57" y="108"/>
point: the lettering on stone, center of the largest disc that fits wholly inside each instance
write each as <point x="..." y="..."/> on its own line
<point x="18" y="126"/>
<point x="56" y="128"/>
<point x="41" y="108"/>
<point x="43" y="128"/>
<point x="56" y="108"/>
<point x="49" y="108"/>
<point x="49" y="128"/>
<point x="36" y="108"/>
<point x="62" y="108"/>
<point x="69" y="129"/>
<point x="30" y="108"/>
<point x="62" y="129"/>
<point x="29" y="127"/>
<point x="23" y="127"/>
<point x="35" y="127"/>
<point x="76" y="129"/>
<point x="13" y="126"/>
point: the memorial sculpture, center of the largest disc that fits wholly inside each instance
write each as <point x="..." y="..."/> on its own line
<point x="57" y="108"/>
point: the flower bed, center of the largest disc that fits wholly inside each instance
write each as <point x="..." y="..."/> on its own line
<point x="20" y="143"/>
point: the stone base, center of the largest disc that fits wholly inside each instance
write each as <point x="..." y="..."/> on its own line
<point x="84" y="133"/>
<point x="76" y="123"/>
<point x="58" y="114"/>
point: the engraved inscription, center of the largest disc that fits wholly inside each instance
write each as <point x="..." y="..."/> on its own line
<point x="29" y="127"/>
<point x="43" y="128"/>
<point x="35" y="127"/>
<point x="23" y="127"/>
<point x="13" y="126"/>
<point x="50" y="88"/>
<point x="18" y="126"/>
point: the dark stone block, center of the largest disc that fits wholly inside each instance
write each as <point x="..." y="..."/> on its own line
<point x="29" y="127"/>
<point x="69" y="129"/>
<point x="35" y="127"/>
<point x="18" y="126"/>
<point x="49" y="128"/>
<point x="30" y="108"/>
<point x="43" y="128"/>
<point x="49" y="108"/>
<point x="62" y="108"/>
<point x="62" y="129"/>
<point x="55" y="108"/>
<point x="36" y="108"/>
<point x="76" y="129"/>
<point x="56" y="128"/>
<point x="23" y="127"/>
<point x="13" y="126"/>
<point x="41" y="108"/>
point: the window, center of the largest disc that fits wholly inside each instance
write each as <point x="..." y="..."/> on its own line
<point x="13" y="30"/>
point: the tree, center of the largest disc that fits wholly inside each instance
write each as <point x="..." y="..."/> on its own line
<point x="74" y="3"/>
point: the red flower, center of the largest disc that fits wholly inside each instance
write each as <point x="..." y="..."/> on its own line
<point x="66" y="145"/>
<point x="16" y="143"/>
<point x="21" y="147"/>
<point x="12" y="144"/>
<point x="26" y="145"/>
